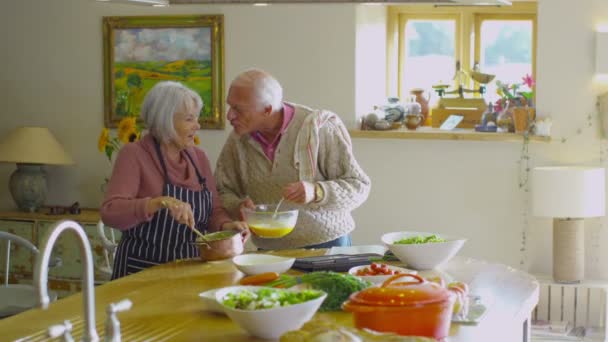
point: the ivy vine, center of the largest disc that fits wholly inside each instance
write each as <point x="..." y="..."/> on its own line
<point x="524" y="177"/>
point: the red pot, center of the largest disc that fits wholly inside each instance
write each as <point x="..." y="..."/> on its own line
<point x="417" y="308"/>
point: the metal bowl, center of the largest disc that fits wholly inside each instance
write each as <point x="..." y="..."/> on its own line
<point x="480" y="77"/>
<point x="220" y="245"/>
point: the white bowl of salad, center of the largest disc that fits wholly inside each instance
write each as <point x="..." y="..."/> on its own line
<point x="267" y="312"/>
<point x="422" y="250"/>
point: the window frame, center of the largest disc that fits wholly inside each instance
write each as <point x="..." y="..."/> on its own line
<point x="468" y="23"/>
<point x="481" y="17"/>
<point x="403" y="20"/>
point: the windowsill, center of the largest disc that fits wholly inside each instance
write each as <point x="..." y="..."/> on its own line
<point x="437" y="134"/>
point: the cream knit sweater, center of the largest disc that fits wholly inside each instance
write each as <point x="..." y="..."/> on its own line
<point x="244" y="170"/>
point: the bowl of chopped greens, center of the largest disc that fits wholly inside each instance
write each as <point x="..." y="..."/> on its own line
<point x="268" y="312"/>
<point x="421" y="250"/>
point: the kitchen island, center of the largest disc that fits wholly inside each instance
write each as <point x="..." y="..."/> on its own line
<point x="166" y="305"/>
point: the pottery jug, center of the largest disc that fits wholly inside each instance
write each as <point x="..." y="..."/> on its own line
<point x="412" y="121"/>
<point x="424" y="102"/>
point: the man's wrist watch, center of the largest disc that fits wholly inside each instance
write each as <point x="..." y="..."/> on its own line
<point x="319" y="193"/>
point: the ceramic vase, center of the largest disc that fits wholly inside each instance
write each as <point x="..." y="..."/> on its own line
<point x="424" y="103"/>
<point x="522" y="117"/>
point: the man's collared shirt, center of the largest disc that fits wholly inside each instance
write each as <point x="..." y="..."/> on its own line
<point x="269" y="147"/>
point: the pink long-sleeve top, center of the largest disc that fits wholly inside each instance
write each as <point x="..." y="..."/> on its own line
<point x="138" y="177"/>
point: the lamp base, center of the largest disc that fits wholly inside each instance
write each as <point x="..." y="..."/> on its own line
<point x="568" y="250"/>
<point x="28" y="186"/>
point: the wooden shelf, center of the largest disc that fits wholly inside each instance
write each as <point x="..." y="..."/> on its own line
<point x="86" y="216"/>
<point x="429" y="133"/>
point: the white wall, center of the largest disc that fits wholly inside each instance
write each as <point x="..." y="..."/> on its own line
<point x="52" y="73"/>
<point x="370" y="60"/>
<point x="567" y="92"/>
<point x="52" y="76"/>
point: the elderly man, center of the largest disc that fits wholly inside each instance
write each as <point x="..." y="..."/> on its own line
<point x="285" y="150"/>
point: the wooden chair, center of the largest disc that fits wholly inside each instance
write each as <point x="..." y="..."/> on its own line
<point x="109" y="248"/>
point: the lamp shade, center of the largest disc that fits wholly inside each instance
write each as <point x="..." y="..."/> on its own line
<point x="33" y="145"/>
<point x="568" y="192"/>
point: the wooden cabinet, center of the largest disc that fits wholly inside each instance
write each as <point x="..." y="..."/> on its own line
<point x="64" y="279"/>
<point x="583" y="305"/>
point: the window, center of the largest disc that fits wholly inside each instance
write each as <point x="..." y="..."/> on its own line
<point x="429" y="51"/>
<point x="426" y="44"/>
<point x="504" y="48"/>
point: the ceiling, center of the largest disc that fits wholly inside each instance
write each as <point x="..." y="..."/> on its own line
<point x="455" y="2"/>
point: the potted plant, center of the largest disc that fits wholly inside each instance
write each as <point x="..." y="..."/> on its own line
<point x="517" y="99"/>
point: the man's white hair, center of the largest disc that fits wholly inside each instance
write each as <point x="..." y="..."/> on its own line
<point x="267" y="90"/>
<point x="162" y="102"/>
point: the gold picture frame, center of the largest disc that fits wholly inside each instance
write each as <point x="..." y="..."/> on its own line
<point x="139" y="51"/>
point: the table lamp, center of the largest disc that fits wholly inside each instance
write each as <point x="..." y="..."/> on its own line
<point x="30" y="148"/>
<point x="568" y="194"/>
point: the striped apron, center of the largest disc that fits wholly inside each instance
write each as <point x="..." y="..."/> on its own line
<point x="162" y="239"/>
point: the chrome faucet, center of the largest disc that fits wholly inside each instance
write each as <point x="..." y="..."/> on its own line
<point x="88" y="291"/>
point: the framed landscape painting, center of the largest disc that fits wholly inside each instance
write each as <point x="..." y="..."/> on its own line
<point x="140" y="51"/>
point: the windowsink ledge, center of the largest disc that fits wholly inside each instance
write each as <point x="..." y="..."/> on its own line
<point x="430" y="133"/>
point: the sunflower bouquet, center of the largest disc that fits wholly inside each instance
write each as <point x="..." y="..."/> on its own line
<point x="128" y="131"/>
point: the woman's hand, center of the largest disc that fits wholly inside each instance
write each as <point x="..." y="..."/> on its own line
<point x="240" y="226"/>
<point x="180" y="211"/>
<point x="299" y="192"/>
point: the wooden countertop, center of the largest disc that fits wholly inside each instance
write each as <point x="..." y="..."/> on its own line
<point x="166" y="305"/>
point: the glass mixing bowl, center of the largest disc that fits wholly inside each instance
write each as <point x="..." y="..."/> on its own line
<point x="264" y="223"/>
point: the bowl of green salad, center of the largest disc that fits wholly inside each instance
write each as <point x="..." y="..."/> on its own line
<point x="422" y="250"/>
<point x="267" y="312"/>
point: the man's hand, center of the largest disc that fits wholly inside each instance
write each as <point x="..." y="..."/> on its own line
<point x="299" y="192"/>
<point x="247" y="203"/>
<point x="240" y="226"/>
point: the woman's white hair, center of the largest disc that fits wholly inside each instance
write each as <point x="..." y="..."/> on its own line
<point x="162" y="102"/>
<point x="267" y="90"/>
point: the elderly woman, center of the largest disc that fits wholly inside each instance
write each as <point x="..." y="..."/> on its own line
<point x="162" y="187"/>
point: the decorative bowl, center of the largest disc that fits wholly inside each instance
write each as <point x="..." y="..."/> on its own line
<point x="269" y="323"/>
<point x="424" y="256"/>
<point x="252" y="264"/>
<point x="264" y="223"/>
